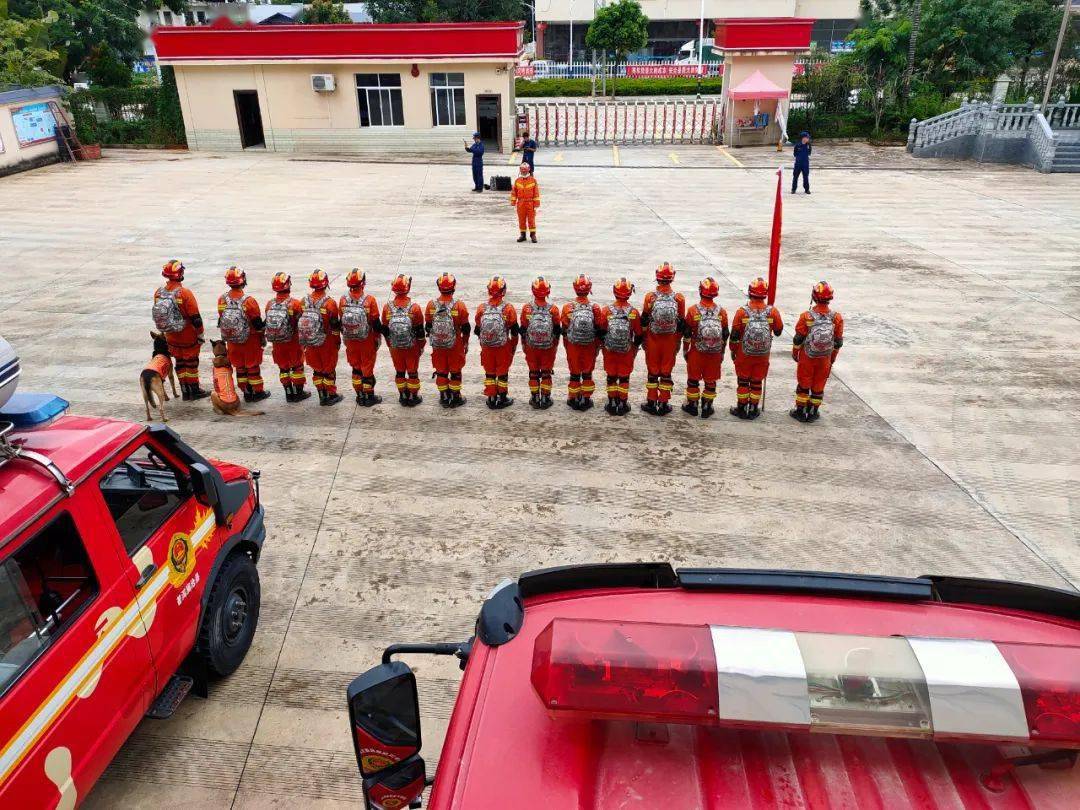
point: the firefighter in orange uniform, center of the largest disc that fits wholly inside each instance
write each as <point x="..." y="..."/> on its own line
<point x="360" y="329"/>
<point x="525" y="196"/>
<point x="176" y="315"/>
<point x="540" y="331"/>
<point x="446" y="322"/>
<point x="620" y="325"/>
<point x="819" y="334"/>
<point x="663" y="316"/>
<point x="282" y="313"/>
<point x="752" y="330"/>
<point x="403" y="325"/>
<point x="320" y="335"/>
<point x="241" y="325"/>
<point x="704" y="340"/>
<point x="581" y="337"/>
<point x="497" y="330"/>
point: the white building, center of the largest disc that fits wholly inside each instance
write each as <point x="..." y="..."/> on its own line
<point x="672" y="23"/>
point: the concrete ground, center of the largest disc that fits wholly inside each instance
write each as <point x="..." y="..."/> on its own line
<point x="949" y="442"/>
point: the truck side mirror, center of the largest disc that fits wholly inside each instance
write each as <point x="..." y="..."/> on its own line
<point x="384" y="717"/>
<point x="204" y="484"/>
<point x="397" y="787"/>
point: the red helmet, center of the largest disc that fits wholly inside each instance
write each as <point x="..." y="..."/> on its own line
<point x="623" y="289"/>
<point x="401" y="284"/>
<point x="709" y="288"/>
<point x="446" y="283"/>
<point x="235" y="277"/>
<point x="665" y="273"/>
<point x="174" y="270"/>
<point x="759" y="288"/>
<point x="582" y="285"/>
<point x="540" y="287"/>
<point x="496" y="287"/>
<point x="356" y="278"/>
<point x="524" y="169"/>
<point x="822" y="292"/>
<point x="282" y="282"/>
<point x="319" y="280"/>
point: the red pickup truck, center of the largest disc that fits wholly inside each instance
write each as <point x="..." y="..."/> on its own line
<point x="618" y="686"/>
<point x="127" y="579"/>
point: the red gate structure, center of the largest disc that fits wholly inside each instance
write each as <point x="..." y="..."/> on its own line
<point x="585" y="122"/>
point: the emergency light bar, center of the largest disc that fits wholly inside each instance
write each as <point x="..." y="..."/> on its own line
<point x="930" y="688"/>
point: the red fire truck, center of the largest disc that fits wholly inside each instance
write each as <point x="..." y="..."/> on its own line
<point x="615" y="686"/>
<point x="127" y="579"/>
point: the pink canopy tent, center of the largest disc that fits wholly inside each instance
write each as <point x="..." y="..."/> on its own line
<point x="757" y="86"/>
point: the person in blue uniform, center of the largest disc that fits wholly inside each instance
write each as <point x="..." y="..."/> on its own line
<point x="477" y="150"/>
<point x="802" y="163"/>
<point x="528" y="150"/>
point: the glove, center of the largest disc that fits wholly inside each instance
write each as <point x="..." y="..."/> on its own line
<point x="262" y="341"/>
<point x="794" y="354"/>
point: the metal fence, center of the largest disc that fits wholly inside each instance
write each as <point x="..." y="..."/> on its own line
<point x="586" y="70"/>
<point x="640" y="121"/>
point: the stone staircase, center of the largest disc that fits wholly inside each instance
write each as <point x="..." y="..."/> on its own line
<point x="1067" y="156"/>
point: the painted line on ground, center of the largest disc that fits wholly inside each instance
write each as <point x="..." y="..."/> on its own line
<point x="615" y="155"/>
<point x="723" y="151"/>
<point x="674" y="158"/>
<point x="513" y="159"/>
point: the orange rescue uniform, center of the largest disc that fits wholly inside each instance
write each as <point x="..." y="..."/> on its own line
<point x="540" y="359"/>
<point x="361" y="353"/>
<point x="661" y="348"/>
<point x="185" y="345"/>
<point x="525" y="196"/>
<point x="580" y="352"/>
<point x="619" y="365"/>
<point x="406" y="359"/>
<point x="288" y="354"/>
<point x="704" y="353"/>
<point x="497" y="360"/>
<point x="752" y="369"/>
<point x="447" y="361"/>
<point x="813" y="372"/>
<point x="246" y="357"/>
<point x="323" y="358"/>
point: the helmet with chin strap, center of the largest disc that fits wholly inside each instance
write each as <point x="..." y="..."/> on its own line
<point x="582" y="284"/>
<point x="708" y="288"/>
<point x="540" y="287"/>
<point x="665" y="273"/>
<point x="622" y="289"/>
<point x="356" y="278"/>
<point x="446" y="283"/>
<point x="319" y="280"/>
<point x="496" y="287"/>
<point x="822" y="292"/>
<point x="759" y="288"/>
<point x="235" y="277"/>
<point x="173" y="270"/>
<point x="401" y="284"/>
<point x="282" y="282"/>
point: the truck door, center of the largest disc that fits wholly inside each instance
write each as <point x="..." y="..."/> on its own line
<point x="165" y="536"/>
<point x="75" y="669"/>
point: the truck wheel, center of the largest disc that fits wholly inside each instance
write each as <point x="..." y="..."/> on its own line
<point x="232" y="614"/>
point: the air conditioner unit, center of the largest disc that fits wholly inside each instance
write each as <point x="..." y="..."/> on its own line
<point x="323" y="82"/>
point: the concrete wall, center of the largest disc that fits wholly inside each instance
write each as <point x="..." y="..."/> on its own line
<point x="295" y="118"/>
<point x="582" y="10"/>
<point x="14" y="157"/>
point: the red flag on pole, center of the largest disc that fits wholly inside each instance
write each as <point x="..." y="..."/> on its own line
<point x="774" y="246"/>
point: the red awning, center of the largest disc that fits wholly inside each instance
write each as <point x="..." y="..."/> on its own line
<point x="495" y="41"/>
<point x="756" y="85"/>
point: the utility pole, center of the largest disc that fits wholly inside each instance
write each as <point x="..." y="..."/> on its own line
<point x="916" y="14"/>
<point x="1066" y="13"/>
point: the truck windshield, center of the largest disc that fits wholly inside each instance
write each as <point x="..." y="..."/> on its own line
<point x="142" y="491"/>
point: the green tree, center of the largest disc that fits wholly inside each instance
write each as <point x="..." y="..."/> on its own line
<point x="23" y="58"/>
<point x="1034" y="34"/>
<point x="106" y="69"/>
<point x="963" y="40"/>
<point x="389" y="11"/>
<point x="879" y="60"/>
<point x="618" y="29"/>
<point x="324" y="12"/>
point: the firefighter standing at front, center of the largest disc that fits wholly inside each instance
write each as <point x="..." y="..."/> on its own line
<point x="819" y="334"/>
<point x="176" y="315"/>
<point x="446" y="322"/>
<point x="581" y="335"/>
<point x="320" y="335"/>
<point x="360" y="329"/>
<point x="620" y="324"/>
<point x="525" y="197"/>
<point x="241" y="325"/>
<point x="704" y="341"/>
<point x="540" y="331"/>
<point x="497" y="331"/>
<point x="752" y="330"/>
<point x="403" y="325"/>
<point x="663" y="316"/>
<point x="282" y="314"/>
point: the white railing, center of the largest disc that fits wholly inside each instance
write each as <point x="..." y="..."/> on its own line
<point x="639" y="121"/>
<point x="952" y="124"/>
<point x="544" y="69"/>
<point x="1063" y="116"/>
<point x="1043" y="143"/>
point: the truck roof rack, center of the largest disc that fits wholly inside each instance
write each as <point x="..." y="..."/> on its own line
<point x="10" y="451"/>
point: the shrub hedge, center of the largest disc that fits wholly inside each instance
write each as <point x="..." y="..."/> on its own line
<point x="128" y="116"/>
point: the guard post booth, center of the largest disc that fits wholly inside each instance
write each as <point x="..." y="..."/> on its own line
<point x="411" y="87"/>
<point x="759" y="60"/>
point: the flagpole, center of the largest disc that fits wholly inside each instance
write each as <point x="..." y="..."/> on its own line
<point x="774" y="253"/>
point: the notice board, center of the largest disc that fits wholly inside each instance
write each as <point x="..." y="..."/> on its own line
<point x="34" y="123"/>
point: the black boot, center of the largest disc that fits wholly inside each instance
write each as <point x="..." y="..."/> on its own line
<point x="322" y="396"/>
<point x="248" y="395"/>
<point x="415" y="399"/>
<point x="290" y="395"/>
<point x="533" y="234"/>
<point x="371" y="399"/>
<point x="504" y="401"/>
<point x="492" y="402"/>
<point x="753" y="411"/>
<point x="585" y="404"/>
<point x="574" y="403"/>
<point x="359" y="397"/>
<point x="534" y="400"/>
<point x="332" y="399"/>
<point x="622" y="407"/>
<point x="522" y="237"/>
<point x="456" y="399"/>
<point x="612" y="406"/>
<point x="649" y="406"/>
<point x="663" y="408"/>
<point x="738" y="410"/>
<point x="812" y="414"/>
<point x="545" y="401"/>
<point x="403" y="397"/>
<point x="301" y="394"/>
<point x="690" y="407"/>
<point x="706" y="409"/>
<point x="259" y="396"/>
<point x="798" y="412"/>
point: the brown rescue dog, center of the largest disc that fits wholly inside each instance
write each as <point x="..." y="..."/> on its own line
<point x="223" y="397"/>
<point x="152" y="379"/>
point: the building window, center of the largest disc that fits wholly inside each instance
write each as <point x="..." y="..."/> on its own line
<point x="448" y="99"/>
<point x="201" y="17"/>
<point x="379" y="95"/>
<point x="142" y="493"/>
<point x="44" y="586"/>
<point x="189" y="18"/>
<point x="166" y="18"/>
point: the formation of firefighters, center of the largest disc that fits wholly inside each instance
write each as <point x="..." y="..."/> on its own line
<point x="310" y="330"/>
